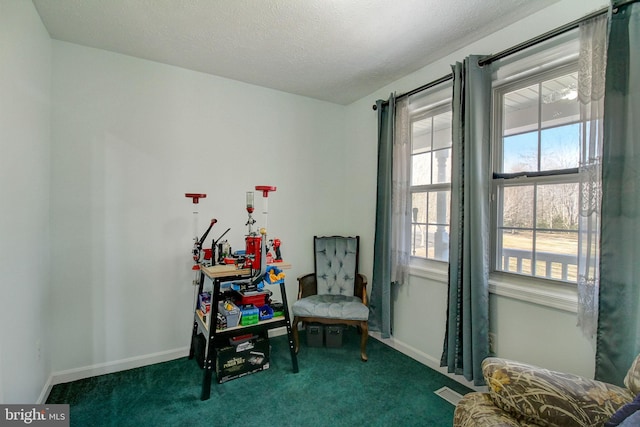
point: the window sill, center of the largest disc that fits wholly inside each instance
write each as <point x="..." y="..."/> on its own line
<point x="530" y="290"/>
<point x="428" y="269"/>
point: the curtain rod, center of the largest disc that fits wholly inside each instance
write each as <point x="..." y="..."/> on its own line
<point x="541" y="38"/>
<point x="517" y="48"/>
<point x="420" y="89"/>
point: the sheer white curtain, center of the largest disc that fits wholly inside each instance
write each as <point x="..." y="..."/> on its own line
<point x="591" y="84"/>
<point x="400" y="195"/>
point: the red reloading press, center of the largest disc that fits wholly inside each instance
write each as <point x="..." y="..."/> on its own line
<point x="256" y="255"/>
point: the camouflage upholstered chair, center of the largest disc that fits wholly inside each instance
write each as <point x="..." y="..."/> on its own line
<point x="526" y="395"/>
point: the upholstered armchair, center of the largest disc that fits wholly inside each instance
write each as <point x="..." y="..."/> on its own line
<point x="525" y="395"/>
<point x="335" y="293"/>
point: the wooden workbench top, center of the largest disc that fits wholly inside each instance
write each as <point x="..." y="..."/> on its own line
<point x="225" y="270"/>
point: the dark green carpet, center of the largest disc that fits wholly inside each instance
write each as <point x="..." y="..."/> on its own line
<point x="333" y="388"/>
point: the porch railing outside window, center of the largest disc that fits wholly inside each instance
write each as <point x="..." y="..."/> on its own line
<point x="550" y="265"/>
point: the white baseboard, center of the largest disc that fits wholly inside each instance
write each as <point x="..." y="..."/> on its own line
<point x="45" y="391"/>
<point x="121" y="365"/>
<point x="424" y="358"/>
<point x="109" y="368"/>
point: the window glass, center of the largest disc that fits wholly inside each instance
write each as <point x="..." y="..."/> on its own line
<point x="431" y="181"/>
<point x="520" y="108"/>
<point x="419" y="224"/>
<point x="442" y="130"/>
<point x="517" y="207"/>
<point x="560" y="101"/>
<point x="441" y="161"/>
<point x="520" y="153"/>
<point x="560" y="147"/>
<point x="515" y="252"/>
<point x="421" y="169"/>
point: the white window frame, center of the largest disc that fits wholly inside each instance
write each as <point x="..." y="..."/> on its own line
<point x="540" y="290"/>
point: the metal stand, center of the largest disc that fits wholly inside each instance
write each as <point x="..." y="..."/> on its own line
<point x="214" y="336"/>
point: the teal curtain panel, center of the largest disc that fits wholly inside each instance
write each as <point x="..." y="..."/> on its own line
<point x="618" y="339"/>
<point x="466" y="341"/>
<point x="380" y="301"/>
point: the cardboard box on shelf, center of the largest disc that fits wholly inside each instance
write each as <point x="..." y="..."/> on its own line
<point x="236" y="361"/>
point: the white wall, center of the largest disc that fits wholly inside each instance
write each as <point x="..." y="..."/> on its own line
<point x="25" y="75"/>
<point x="525" y="331"/>
<point x="129" y="138"/>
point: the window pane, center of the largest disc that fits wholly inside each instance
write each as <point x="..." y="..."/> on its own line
<point x="557" y="206"/>
<point x="516" y="251"/>
<point x="442" y="166"/>
<point x="442" y="130"/>
<point x="520" y="111"/>
<point x="517" y="209"/>
<point x="430" y="224"/>
<point x="419" y="207"/>
<point x="556" y="255"/>
<point x="421" y="131"/>
<point x="439" y="204"/>
<point x="560" y="101"/>
<point x="438" y="242"/>
<point x="520" y="153"/>
<point x="419" y="240"/>
<point x="421" y="169"/>
<point x="560" y="147"/>
<point x="419" y="224"/>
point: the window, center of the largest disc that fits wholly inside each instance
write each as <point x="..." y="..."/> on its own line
<point x="538" y="136"/>
<point x="430" y="132"/>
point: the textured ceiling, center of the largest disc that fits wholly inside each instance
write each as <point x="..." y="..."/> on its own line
<point x="333" y="50"/>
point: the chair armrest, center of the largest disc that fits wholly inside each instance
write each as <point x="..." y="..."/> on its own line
<point x="361" y="288"/>
<point x="548" y="397"/>
<point x="478" y="410"/>
<point x="307" y="285"/>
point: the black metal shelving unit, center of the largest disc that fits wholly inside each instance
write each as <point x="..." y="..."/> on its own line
<point x="220" y="274"/>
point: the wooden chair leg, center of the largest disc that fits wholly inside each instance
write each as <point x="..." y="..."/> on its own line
<point x="363" y="341"/>
<point x="296" y="338"/>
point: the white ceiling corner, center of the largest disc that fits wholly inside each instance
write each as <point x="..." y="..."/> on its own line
<point x="333" y="50"/>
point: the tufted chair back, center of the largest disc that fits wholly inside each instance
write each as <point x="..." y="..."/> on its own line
<point x="336" y="264"/>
